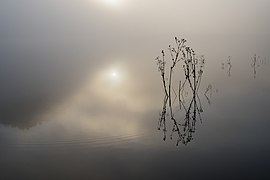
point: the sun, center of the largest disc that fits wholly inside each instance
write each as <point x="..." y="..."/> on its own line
<point x="114" y="75"/>
<point x="112" y="2"/>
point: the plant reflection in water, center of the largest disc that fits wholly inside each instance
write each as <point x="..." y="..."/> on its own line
<point x="193" y="67"/>
<point x="228" y="66"/>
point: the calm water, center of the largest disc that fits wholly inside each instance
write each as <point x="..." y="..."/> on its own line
<point x="81" y="96"/>
<point x="121" y="140"/>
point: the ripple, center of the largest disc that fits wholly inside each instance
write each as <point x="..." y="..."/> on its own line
<point x="80" y="143"/>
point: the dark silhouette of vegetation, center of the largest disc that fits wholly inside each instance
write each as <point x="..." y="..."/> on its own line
<point x="227" y="66"/>
<point x="193" y="67"/>
<point x="254" y="65"/>
<point x="256" y="62"/>
<point x="209" y="92"/>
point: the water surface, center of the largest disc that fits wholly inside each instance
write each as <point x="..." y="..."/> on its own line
<point x="81" y="95"/>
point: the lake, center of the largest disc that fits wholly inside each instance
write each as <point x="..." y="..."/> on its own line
<point x="82" y="97"/>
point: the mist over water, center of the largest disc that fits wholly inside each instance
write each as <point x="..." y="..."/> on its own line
<point x="81" y="96"/>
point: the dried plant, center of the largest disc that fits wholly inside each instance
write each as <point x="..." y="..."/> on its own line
<point x="193" y="67"/>
<point x="227" y="65"/>
<point x="254" y="64"/>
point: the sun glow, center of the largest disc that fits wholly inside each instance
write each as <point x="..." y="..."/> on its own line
<point x="114" y="75"/>
<point x="115" y="5"/>
<point x="112" y="2"/>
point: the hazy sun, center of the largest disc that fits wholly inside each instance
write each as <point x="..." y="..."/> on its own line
<point x="114" y="75"/>
<point x="111" y="2"/>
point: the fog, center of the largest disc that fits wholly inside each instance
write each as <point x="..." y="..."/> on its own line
<point x="81" y="95"/>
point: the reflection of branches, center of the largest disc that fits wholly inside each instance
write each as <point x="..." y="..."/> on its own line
<point x="228" y="66"/>
<point x="185" y="129"/>
<point x="162" y="118"/>
<point x="193" y="70"/>
<point x="208" y="91"/>
<point x="253" y="65"/>
<point x="192" y="112"/>
<point x="256" y="62"/>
